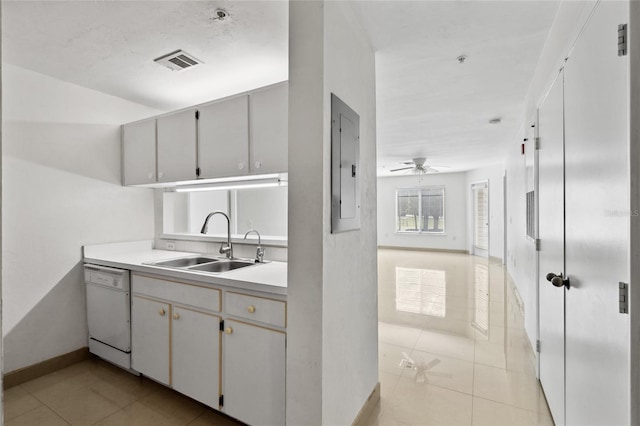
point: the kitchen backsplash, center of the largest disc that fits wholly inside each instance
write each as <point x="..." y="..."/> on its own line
<point x="239" y="250"/>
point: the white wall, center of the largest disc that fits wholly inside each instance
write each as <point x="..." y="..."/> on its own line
<point x="332" y="277"/>
<point x="61" y="174"/>
<point x="494" y="175"/>
<point x="350" y="357"/>
<point x="456" y="200"/>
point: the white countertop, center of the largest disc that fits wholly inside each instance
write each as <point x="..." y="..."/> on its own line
<point x="270" y="277"/>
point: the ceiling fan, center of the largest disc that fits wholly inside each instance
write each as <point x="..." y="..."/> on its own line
<point x="423" y="369"/>
<point x="418" y="166"/>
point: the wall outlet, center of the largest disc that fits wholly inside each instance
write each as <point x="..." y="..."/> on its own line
<point x="171" y="245"/>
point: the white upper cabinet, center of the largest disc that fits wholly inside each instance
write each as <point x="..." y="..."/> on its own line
<point x="223" y="138"/>
<point x="238" y="136"/>
<point x="269" y="118"/>
<point x="139" y="152"/>
<point x="177" y="146"/>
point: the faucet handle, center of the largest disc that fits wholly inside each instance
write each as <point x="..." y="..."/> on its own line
<point x="225" y="249"/>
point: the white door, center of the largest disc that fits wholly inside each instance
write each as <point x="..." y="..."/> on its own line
<point x="223" y="138"/>
<point x="150" y="338"/>
<point x="195" y="355"/>
<point x="551" y="234"/>
<point x="480" y="195"/>
<point x="269" y="129"/>
<point x="177" y="146"/>
<point x="254" y="374"/>
<point x="597" y="222"/>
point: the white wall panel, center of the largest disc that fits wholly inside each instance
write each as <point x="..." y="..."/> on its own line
<point x="62" y="190"/>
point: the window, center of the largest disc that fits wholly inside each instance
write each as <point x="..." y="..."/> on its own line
<point x="263" y="209"/>
<point x="420" y="210"/>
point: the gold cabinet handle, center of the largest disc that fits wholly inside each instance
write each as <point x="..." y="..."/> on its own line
<point x="228" y="330"/>
<point x="176" y="316"/>
<point x="251" y="309"/>
<point x="162" y="312"/>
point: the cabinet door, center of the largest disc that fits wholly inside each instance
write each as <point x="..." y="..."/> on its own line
<point x="139" y="152"/>
<point x="195" y="350"/>
<point x="223" y="138"/>
<point x="269" y="130"/>
<point x="177" y="146"/>
<point x="150" y="338"/>
<point x="254" y="374"/>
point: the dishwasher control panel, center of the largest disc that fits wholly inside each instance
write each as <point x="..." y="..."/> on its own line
<point x="105" y="276"/>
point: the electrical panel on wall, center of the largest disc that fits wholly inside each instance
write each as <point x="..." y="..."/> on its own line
<point x="345" y="167"/>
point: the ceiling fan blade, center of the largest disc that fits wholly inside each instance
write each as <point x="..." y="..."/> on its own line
<point x="408" y="162"/>
<point x="404" y="168"/>
<point x="407" y="357"/>
<point x="431" y="169"/>
<point x="433" y="373"/>
<point x="432" y="364"/>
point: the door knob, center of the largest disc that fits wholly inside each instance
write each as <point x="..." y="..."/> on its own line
<point x="162" y="312"/>
<point x="228" y="330"/>
<point x="558" y="280"/>
<point x="176" y="316"/>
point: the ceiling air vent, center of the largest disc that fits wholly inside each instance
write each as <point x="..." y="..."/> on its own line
<point x="178" y="60"/>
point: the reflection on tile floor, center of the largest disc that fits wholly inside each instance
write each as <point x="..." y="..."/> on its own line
<point x="94" y="392"/>
<point x="455" y="319"/>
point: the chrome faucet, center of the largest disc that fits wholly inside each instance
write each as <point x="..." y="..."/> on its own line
<point x="228" y="249"/>
<point x="259" y="250"/>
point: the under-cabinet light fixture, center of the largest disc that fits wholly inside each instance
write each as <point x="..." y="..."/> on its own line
<point x="237" y="184"/>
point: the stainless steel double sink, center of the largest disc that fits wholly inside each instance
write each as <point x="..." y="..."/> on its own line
<point x="214" y="265"/>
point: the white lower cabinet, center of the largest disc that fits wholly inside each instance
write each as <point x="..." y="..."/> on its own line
<point x="177" y="340"/>
<point x="195" y="350"/>
<point x="150" y="338"/>
<point x="254" y="373"/>
<point x="177" y="346"/>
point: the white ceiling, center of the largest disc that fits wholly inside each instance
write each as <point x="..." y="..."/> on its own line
<point x="110" y="46"/>
<point x="428" y="105"/>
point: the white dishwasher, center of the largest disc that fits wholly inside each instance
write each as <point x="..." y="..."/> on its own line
<point x="109" y="313"/>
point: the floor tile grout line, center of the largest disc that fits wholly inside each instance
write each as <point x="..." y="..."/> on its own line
<point x="512" y="406"/>
<point x="26" y="412"/>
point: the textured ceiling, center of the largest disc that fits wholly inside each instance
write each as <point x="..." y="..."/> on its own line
<point x="109" y="46"/>
<point x="428" y="105"/>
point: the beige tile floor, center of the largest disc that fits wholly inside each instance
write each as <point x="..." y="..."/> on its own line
<point x="94" y="392"/>
<point x="456" y="316"/>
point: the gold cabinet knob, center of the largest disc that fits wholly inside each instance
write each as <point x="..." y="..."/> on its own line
<point x="228" y="330"/>
<point x="162" y="312"/>
<point x="176" y="316"/>
<point x="251" y="309"/>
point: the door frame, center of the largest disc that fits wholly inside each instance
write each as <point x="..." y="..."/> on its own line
<point x="475" y="250"/>
<point x="634" y="199"/>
